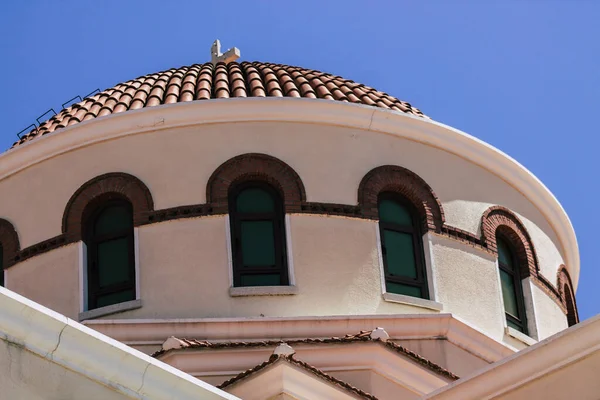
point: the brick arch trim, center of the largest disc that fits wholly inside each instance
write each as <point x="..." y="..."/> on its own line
<point x="501" y="220"/>
<point x="391" y="178"/>
<point x="260" y="167"/>
<point x="565" y="288"/>
<point x="9" y="239"/>
<point x="102" y="188"/>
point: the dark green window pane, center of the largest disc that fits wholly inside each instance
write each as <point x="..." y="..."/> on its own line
<point x="258" y="243"/>
<point x="509" y="294"/>
<point x="399" y="254"/>
<point x="399" y="288"/>
<point x="113" y="262"/>
<point x="1" y="265"/>
<point x="514" y="326"/>
<point x="391" y="211"/>
<point x="261" y="280"/>
<point x="504" y="253"/>
<point x="113" y="219"/>
<point x="255" y="200"/>
<point x="116" y="298"/>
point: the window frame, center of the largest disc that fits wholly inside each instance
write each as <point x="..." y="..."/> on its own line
<point x="517" y="283"/>
<point x="418" y="248"/>
<point x="92" y="241"/>
<point x="277" y="217"/>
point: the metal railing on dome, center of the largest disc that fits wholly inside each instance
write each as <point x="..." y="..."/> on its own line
<point x="51" y="110"/>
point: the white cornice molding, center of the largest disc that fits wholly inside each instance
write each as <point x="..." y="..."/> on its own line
<point x="404" y="326"/>
<point x="312" y="111"/>
<point x="101" y="359"/>
<point x="525" y="367"/>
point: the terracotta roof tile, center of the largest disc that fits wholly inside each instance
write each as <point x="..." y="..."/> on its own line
<point x="207" y="81"/>
<point x="313" y="370"/>
<point x="362" y="336"/>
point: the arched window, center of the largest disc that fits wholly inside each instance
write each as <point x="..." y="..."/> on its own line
<point x="110" y="254"/>
<point x="401" y="247"/>
<point x="512" y="289"/>
<point x="258" y="235"/>
<point x="572" y="317"/>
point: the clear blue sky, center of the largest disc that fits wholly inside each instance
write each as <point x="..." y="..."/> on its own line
<point x="523" y="76"/>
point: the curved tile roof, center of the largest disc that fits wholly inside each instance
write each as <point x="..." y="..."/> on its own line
<point x="220" y="81"/>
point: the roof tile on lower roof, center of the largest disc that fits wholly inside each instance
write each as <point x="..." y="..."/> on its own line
<point x="173" y="343"/>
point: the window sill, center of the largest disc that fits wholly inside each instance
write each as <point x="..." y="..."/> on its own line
<point x="520" y="336"/>
<point x="413" y="301"/>
<point x="263" y="291"/>
<point x="112" y="309"/>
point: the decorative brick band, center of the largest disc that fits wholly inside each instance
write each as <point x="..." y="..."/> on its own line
<point x="391" y="178"/>
<point x="255" y="166"/>
<point x="115" y="185"/>
<point x="10" y="243"/>
<point x="463" y="236"/>
<point x="344" y="210"/>
<point x="500" y="220"/>
<point x="42" y="247"/>
<point x="168" y="214"/>
<point x="565" y="288"/>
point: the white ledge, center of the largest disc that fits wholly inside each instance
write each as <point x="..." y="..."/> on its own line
<point x="520" y="336"/>
<point x="263" y="291"/>
<point x="413" y="301"/>
<point x="112" y="309"/>
<point x="99" y="358"/>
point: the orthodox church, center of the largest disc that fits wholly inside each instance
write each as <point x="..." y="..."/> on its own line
<point x="262" y="231"/>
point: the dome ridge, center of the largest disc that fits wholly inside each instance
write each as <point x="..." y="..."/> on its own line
<point x="219" y="81"/>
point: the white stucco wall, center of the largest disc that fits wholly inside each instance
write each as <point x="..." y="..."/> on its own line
<point x="467" y="284"/>
<point x="184" y="263"/>
<point x="24" y="375"/>
<point x="184" y="271"/>
<point x="446" y="354"/>
<point x="551" y="319"/>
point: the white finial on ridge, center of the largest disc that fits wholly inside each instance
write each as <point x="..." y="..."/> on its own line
<point x="227" y="57"/>
<point x="379" y="333"/>
<point x="284" y="349"/>
<point x="172" y="343"/>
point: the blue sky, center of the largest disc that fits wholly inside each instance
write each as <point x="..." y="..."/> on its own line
<point x="523" y="76"/>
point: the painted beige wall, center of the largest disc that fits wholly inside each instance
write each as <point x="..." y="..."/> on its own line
<point x="51" y="279"/>
<point x="185" y="271"/>
<point x="24" y="375"/>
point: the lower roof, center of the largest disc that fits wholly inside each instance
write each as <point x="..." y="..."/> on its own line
<point x="173" y="344"/>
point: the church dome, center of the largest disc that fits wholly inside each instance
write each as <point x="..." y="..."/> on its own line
<point x="221" y="81"/>
<point x="289" y="206"/>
